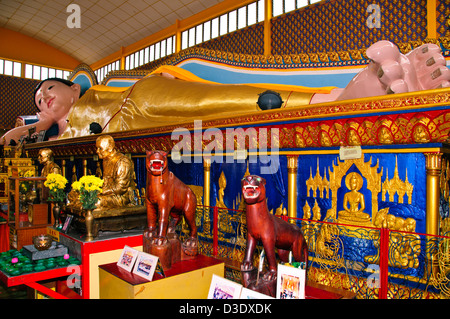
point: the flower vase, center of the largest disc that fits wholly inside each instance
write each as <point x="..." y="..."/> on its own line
<point x="89" y="220"/>
<point x="56" y="214"/>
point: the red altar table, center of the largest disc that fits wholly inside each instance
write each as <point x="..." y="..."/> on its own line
<point x="32" y="280"/>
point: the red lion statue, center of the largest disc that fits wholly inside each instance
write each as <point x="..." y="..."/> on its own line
<point x="167" y="195"/>
<point x="272" y="231"/>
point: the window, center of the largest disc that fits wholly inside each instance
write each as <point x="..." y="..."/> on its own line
<point x="103" y="71"/>
<point x="223" y="24"/>
<point x="153" y="52"/>
<point x="252" y="11"/>
<point x="284" y="6"/>
<point x="229" y="22"/>
<point x="31" y="71"/>
<point x="232" y="21"/>
<point x="239" y="18"/>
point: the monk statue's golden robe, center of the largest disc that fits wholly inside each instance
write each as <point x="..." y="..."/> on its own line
<point x="159" y="101"/>
<point x="50" y="168"/>
<point x="118" y="187"/>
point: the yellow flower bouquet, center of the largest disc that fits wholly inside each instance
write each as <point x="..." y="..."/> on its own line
<point x="25" y="186"/>
<point x="89" y="187"/>
<point x="56" y="184"/>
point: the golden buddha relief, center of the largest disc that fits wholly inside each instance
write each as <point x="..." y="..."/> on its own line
<point x="353" y="138"/>
<point x="385" y="136"/>
<point x="325" y="139"/>
<point x="222" y="184"/>
<point x="420" y="134"/>
<point x="286" y="137"/>
<point x="354" y="202"/>
<point x="299" y="139"/>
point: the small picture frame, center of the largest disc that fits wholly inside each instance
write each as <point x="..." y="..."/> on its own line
<point x="145" y="265"/>
<point x="41" y="136"/>
<point x="290" y="282"/>
<point x="251" y="294"/>
<point x="222" y="288"/>
<point x="127" y="258"/>
<point x="67" y="223"/>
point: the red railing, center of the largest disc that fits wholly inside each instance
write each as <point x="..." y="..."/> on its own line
<point x="384" y="240"/>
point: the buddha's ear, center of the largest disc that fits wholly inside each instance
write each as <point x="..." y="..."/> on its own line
<point x="77" y="89"/>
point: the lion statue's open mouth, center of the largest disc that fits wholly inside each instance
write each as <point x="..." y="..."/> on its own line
<point x="157" y="165"/>
<point x="251" y="191"/>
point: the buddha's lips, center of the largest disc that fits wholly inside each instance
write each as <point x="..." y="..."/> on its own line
<point x="50" y="102"/>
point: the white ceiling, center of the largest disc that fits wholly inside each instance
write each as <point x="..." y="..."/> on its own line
<point x="106" y="25"/>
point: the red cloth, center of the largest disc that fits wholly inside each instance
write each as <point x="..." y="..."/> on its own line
<point x="4" y="238"/>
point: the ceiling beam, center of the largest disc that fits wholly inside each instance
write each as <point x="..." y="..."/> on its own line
<point x="19" y="47"/>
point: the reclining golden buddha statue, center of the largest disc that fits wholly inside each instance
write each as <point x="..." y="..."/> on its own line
<point x="171" y="95"/>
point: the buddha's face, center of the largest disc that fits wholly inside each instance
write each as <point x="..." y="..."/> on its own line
<point x="55" y="99"/>
<point x="104" y="147"/>
<point x="353" y="182"/>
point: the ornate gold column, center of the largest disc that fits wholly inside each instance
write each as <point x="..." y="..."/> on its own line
<point x="85" y="167"/>
<point x="177" y="36"/>
<point x="292" y="165"/>
<point x="206" y="180"/>
<point x="268" y="27"/>
<point x="63" y="168"/>
<point x="433" y="167"/>
<point x="431" y="19"/>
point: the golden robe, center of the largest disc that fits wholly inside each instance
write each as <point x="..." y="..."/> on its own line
<point x="159" y="101"/>
<point x="118" y="186"/>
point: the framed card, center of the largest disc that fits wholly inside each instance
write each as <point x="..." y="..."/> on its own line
<point x="290" y="282"/>
<point x="67" y="223"/>
<point x="222" y="288"/>
<point x="251" y="294"/>
<point x="145" y="265"/>
<point x="41" y="136"/>
<point x="127" y="258"/>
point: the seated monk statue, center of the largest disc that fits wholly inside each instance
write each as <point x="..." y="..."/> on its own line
<point x="118" y="175"/>
<point x="169" y="97"/>
<point x="354" y="202"/>
<point x="45" y="158"/>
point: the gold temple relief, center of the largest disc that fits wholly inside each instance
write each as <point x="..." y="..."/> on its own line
<point x="318" y="183"/>
<point x="373" y="178"/>
<point x="222" y="185"/>
<point x="397" y="186"/>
